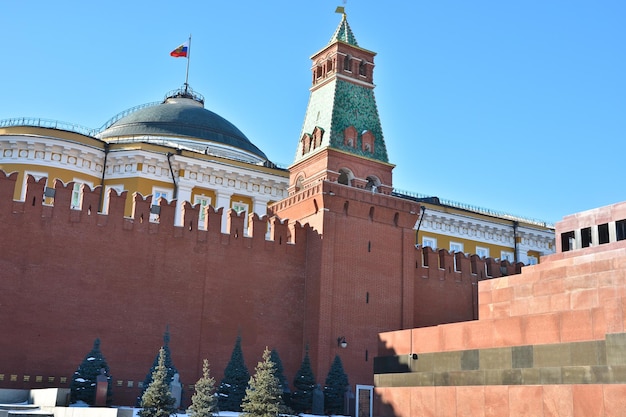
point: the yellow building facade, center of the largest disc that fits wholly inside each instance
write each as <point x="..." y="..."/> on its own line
<point x="179" y="151"/>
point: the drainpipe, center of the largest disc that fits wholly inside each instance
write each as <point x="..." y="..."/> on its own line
<point x="515" y="226"/>
<point x="104" y="170"/>
<point x="423" y="208"/>
<point x="169" y="155"/>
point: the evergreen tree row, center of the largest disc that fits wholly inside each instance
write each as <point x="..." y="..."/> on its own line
<point x="265" y="393"/>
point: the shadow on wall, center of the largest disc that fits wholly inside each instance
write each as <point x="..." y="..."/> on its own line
<point x="391" y="362"/>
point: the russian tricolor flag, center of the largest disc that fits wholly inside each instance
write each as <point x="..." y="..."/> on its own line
<point x="181" y="51"/>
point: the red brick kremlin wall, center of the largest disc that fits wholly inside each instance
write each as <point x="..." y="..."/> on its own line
<point x="369" y="275"/>
<point x="70" y="276"/>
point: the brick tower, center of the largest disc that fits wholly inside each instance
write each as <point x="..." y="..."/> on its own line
<point x="359" y="275"/>
<point x="342" y="139"/>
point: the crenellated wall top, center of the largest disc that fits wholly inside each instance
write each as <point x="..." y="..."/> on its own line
<point x="54" y="204"/>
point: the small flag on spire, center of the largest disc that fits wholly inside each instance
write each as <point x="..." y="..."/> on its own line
<point x="340" y="9"/>
<point x="181" y="51"/>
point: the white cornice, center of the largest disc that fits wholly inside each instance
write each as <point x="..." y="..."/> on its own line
<point x="123" y="163"/>
<point x="479" y="230"/>
<point x="36" y="150"/>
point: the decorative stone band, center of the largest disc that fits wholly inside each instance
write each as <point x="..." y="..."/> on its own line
<point x="588" y="362"/>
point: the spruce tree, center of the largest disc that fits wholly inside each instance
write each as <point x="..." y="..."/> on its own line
<point x="169" y="365"/>
<point x="264" y="394"/>
<point x="304" y="385"/>
<point x="157" y="400"/>
<point x="335" y="388"/>
<point x="233" y="386"/>
<point x="203" y="401"/>
<point x="84" y="380"/>
<point x="279" y="373"/>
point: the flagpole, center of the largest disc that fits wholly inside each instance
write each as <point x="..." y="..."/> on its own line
<point x="188" y="57"/>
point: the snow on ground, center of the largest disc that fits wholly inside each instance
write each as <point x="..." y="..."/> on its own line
<point x="225" y="414"/>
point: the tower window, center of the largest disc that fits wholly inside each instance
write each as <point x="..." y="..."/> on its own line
<point x="306" y="143"/>
<point x="299" y="183"/>
<point x="362" y="68"/>
<point x="349" y="136"/>
<point x="344" y="177"/>
<point x="318" y="133"/>
<point x="347" y="63"/>
<point x="367" y="138"/>
<point x="372" y="184"/>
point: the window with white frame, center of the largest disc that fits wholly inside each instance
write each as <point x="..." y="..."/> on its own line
<point x="204" y="201"/>
<point x="532" y="260"/>
<point x="77" y="193"/>
<point x="157" y="193"/>
<point x="456" y="247"/>
<point x="482" y="252"/>
<point x="429" y="242"/>
<point x="239" y="208"/>
<point x="119" y="188"/>
<point x="37" y="176"/>
<point x="506" y="255"/>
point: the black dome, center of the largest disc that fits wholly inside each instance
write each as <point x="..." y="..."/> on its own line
<point x="181" y="119"/>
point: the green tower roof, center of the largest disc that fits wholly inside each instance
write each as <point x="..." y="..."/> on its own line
<point x="344" y="99"/>
<point x="344" y="33"/>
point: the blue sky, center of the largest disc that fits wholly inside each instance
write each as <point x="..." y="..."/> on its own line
<point x="516" y="106"/>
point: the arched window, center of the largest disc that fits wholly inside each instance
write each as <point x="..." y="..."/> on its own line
<point x="299" y="183"/>
<point x="344" y="177"/>
<point x="372" y="184"/>
<point x="362" y="68"/>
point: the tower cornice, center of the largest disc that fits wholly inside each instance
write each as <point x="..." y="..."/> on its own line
<point x="343" y="44"/>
